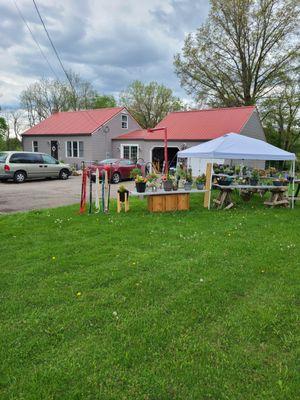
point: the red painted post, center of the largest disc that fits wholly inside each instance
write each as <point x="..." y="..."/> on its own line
<point x="165" y="145"/>
<point x="166" y="151"/>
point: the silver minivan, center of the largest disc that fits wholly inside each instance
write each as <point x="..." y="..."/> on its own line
<point x="22" y="165"/>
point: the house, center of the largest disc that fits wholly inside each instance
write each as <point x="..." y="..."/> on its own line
<point x="76" y="136"/>
<point x="113" y="132"/>
<point x="186" y="129"/>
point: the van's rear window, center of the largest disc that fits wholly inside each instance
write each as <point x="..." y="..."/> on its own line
<point x="3" y="157"/>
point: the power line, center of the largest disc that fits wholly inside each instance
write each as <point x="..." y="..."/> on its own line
<point x="53" y="47"/>
<point x="58" y="57"/>
<point x="35" y="40"/>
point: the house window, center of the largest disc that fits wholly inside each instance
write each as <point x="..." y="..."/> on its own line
<point x="35" y="146"/>
<point x="124" y="121"/>
<point x="130" y="152"/>
<point x="74" y="149"/>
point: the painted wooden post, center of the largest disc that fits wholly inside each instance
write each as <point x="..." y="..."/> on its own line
<point x="208" y="185"/>
<point x="119" y="206"/>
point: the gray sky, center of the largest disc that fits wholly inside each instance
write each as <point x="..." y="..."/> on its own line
<point x="110" y="43"/>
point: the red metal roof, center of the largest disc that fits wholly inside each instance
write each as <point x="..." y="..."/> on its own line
<point x="82" y="122"/>
<point x="197" y="125"/>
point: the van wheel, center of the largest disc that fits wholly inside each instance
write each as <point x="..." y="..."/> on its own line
<point x="20" y="177"/>
<point x="64" y="174"/>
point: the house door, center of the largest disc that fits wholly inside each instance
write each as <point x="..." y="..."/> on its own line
<point x="54" y="149"/>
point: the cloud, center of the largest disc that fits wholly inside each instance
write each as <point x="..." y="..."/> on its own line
<point x="109" y="43"/>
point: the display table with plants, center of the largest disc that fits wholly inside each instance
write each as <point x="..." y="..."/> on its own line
<point x="224" y="199"/>
<point x="165" y="201"/>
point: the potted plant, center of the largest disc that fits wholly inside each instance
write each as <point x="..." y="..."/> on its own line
<point x="216" y="168"/>
<point x="140" y="183"/>
<point x="200" y="181"/>
<point x="134" y="172"/>
<point x="188" y="180"/>
<point x="122" y="193"/>
<point x="237" y="170"/>
<point x="281" y="181"/>
<point x="167" y="182"/>
<point x="254" y="178"/>
<point x="224" y="181"/>
<point x="152" y="181"/>
<point x="175" y="185"/>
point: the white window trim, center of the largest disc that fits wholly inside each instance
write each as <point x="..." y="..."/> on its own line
<point x="125" y="115"/>
<point x="33" y="146"/>
<point x="130" y="145"/>
<point x="66" y="148"/>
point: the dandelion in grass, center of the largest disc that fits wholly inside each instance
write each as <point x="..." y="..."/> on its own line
<point x="53" y="258"/>
<point x="78" y="294"/>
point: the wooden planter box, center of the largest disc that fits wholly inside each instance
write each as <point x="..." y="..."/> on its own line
<point x="169" y="202"/>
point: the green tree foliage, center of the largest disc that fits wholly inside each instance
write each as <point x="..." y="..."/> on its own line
<point x="281" y="115"/>
<point x="104" y="101"/>
<point x="149" y="103"/>
<point x="238" y="55"/>
<point x="3" y="133"/>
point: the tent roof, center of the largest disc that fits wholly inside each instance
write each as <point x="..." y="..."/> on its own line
<point x="236" y="147"/>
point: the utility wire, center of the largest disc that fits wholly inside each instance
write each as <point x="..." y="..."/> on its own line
<point x="53" y="47"/>
<point x="35" y="40"/>
<point x="59" y="59"/>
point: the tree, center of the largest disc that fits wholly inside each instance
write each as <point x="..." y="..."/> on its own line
<point x="281" y="115"/>
<point x="237" y="57"/>
<point x="16" y="122"/>
<point x="4" y="130"/>
<point x="149" y="104"/>
<point x="41" y="98"/>
<point x="104" y="101"/>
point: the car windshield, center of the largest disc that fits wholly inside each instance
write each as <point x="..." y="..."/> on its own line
<point x="108" y="161"/>
<point x="3" y="157"/>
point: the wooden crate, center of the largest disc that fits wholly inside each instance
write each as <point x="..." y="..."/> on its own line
<point x="169" y="202"/>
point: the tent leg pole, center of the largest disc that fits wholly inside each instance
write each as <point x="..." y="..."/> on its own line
<point x="293" y="184"/>
<point x="210" y="186"/>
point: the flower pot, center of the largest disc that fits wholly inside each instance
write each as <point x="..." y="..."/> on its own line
<point x="253" y="182"/>
<point x="224" y="182"/>
<point x="188" y="186"/>
<point x="140" y="187"/>
<point x="200" y="186"/>
<point x="122" y="195"/>
<point x="168" y="185"/>
<point x="175" y="187"/>
<point x="280" y="183"/>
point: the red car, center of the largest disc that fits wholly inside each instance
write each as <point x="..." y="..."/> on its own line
<point x="117" y="168"/>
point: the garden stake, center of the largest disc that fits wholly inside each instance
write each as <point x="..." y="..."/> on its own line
<point x="83" y="190"/>
<point x="91" y="193"/>
<point x="106" y="193"/>
<point x="97" y="194"/>
<point x="103" y="190"/>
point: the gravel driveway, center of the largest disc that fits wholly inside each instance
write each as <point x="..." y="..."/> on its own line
<point x="33" y="195"/>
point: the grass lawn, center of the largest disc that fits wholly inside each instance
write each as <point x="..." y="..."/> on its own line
<point x="191" y="305"/>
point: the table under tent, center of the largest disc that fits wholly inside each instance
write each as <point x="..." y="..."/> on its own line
<point x="233" y="146"/>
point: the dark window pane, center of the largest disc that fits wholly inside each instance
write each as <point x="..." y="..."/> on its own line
<point x="35" y="146"/>
<point x="80" y="149"/>
<point x="133" y="154"/>
<point x="23" y="158"/>
<point x="126" y="152"/>
<point x="75" y="149"/>
<point x="69" y="149"/>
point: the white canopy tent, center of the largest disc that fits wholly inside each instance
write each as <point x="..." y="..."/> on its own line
<point x="234" y="146"/>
